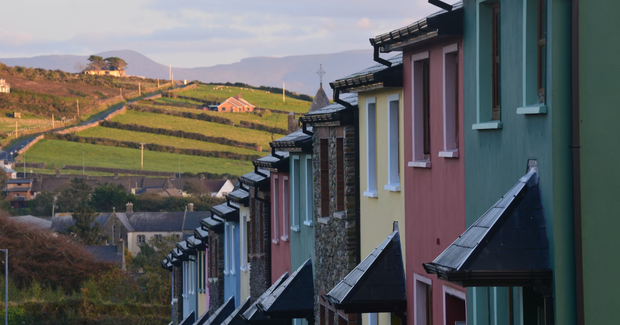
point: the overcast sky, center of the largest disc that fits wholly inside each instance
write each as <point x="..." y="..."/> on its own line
<point x="200" y="32"/>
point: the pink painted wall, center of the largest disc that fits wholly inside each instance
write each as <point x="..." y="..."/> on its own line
<point x="280" y="251"/>
<point x="435" y="197"/>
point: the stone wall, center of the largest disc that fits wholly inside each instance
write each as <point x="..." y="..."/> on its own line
<point x="115" y="230"/>
<point x="336" y="242"/>
<point x="177" y="309"/>
<point x="259" y="243"/>
<point x="216" y="271"/>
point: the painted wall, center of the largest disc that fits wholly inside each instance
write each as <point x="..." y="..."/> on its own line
<point x="132" y="239"/>
<point x="203" y="297"/>
<point x="495" y="159"/>
<point x="231" y="275"/>
<point x="378" y="214"/>
<point x="280" y="249"/>
<point x="244" y="275"/>
<point x="435" y="198"/>
<point x="599" y="116"/>
<point x="302" y="241"/>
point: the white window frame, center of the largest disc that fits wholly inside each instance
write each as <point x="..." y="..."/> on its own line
<point x="244" y="250"/>
<point x="456" y="293"/>
<point x="393" y="143"/>
<point x="232" y="251"/>
<point x="450" y="87"/>
<point x="418" y="278"/>
<point x="371" y="148"/>
<point x="276" y="209"/>
<point x="295" y="190"/>
<point x="417" y="127"/>
<point x="309" y="192"/>
<point x="226" y="248"/>
<point x="286" y="207"/>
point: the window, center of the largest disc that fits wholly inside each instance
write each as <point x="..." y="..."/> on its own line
<point x="422" y="300"/>
<point x="340" y="196"/>
<point x="275" y="208"/>
<point x="158" y="238"/>
<point x="371" y="148"/>
<point x="421" y="111"/>
<point x="309" y="186"/>
<point x="393" y="144"/>
<point x="244" y="249"/>
<point x="488" y="65"/>
<point x="286" y="213"/>
<point x="454" y="305"/>
<point x="295" y="204"/>
<point x="534" y="57"/>
<point x="141" y="239"/>
<point x="226" y="247"/>
<point x="113" y="232"/>
<point x="324" y="156"/>
<point x="233" y="238"/>
<point x="450" y="102"/>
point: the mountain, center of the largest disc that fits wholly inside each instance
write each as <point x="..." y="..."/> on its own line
<point x="299" y="72"/>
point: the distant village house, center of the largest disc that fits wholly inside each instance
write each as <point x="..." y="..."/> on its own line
<point x="4" y="86"/>
<point x="233" y="104"/>
<point x="114" y="73"/>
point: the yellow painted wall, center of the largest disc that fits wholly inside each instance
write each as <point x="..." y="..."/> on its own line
<point x="244" y="276"/>
<point x="378" y="214"/>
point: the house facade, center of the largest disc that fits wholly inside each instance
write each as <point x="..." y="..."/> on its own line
<point x="5" y="87"/>
<point x="240" y="198"/>
<point x="235" y="104"/>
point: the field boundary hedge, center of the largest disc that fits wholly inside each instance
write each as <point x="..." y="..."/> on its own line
<point x="155" y="147"/>
<point x="182" y="134"/>
<point x="262" y="127"/>
<point x="190" y="115"/>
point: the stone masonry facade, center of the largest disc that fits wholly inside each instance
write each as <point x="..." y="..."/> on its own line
<point x="216" y="270"/>
<point x="259" y="246"/>
<point x="336" y="242"/>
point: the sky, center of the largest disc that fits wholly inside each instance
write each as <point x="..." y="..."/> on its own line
<point x="199" y="33"/>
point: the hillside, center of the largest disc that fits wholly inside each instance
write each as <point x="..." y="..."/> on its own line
<point x="299" y="72"/>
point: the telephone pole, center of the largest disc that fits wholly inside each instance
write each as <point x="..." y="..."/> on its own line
<point x="77" y="103"/>
<point x="283" y="93"/>
<point x="82" y="162"/>
<point x="16" y="129"/>
<point x="142" y="156"/>
<point x="139" y="89"/>
<point x="52" y="121"/>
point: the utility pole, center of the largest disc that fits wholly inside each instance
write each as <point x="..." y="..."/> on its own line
<point x="179" y="167"/>
<point x="52" y="121"/>
<point x="6" y="285"/>
<point x="139" y="90"/>
<point x="78" y="107"/>
<point x="142" y="156"/>
<point x="16" y="129"/>
<point x="82" y="162"/>
<point x="157" y="83"/>
<point x="283" y="93"/>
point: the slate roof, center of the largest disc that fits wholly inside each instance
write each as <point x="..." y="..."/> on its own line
<point x="295" y="140"/>
<point x="201" y="234"/>
<point x="273" y="163"/>
<point x="214" y="185"/>
<point x="320" y="100"/>
<point x="377" y="284"/>
<point x="220" y="314"/>
<point x="192" y="219"/>
<point x="107" y="254"/>
<point x="437" y="24"/>
<point x="294" y="298"/>
<point x="254" y="179"/>
<point x="165" y="264"/>
<point x="376" y="75"/>
<point x="333" y="112"/>
<point x="156" y="221"/>
<point x="189" y="320"/>
<point x="214" y="223"/>
<point x="506" y="246"/>
<point x="254" y="315"/>
<point x="124" y="220"/>
<point x="60" y="222"/>
<point x="19" y="181"/>
<point x="235" y="317"/>
<point x="239" y="196"/>
<point x="19" y="189"/>
<point x="35" y="221"/>
<point x="195" y="243"/>
<point x="226" y="212"/>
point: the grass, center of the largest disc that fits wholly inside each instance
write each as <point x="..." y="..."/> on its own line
<point x="197" y="126"/>
<point x="269" y="119"/>
<point x="7" y="124"/>
<point x="126" y="135"/>
<point x="177" y="101"/>
<point x="256" y="97"/>
<point x="70" y="153"/>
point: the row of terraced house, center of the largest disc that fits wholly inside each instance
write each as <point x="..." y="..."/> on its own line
<point x="466" y="178"/>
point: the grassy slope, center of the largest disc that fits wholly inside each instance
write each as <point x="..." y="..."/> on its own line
<point x="70" y="153"/>
<point x="189" y="125"/>
<point x="126" y="135"/>
<point x="257" y="97"/>
<point x="177" y="100"/>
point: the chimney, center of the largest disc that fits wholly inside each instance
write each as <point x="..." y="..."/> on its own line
<point x="129" y="207"/>
<point x="190" y="207"/>
<point x="238" y="96"/>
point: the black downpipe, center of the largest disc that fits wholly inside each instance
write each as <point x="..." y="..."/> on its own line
<point x="378" y="59"/>
<point x="273" y="153"/>
<point x="304" y="129"/>
<point x="345" y="104"/>
<point x="441" y="4"/>
<point x="259" y="173"/>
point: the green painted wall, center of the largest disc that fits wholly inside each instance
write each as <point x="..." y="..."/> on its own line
<point x="302" y="242"/>
<point x="599" y="70"/>
<point x="496" y="159"/>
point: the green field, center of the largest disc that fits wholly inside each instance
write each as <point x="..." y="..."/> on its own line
<point x="197" y="126"/>
<point x="256" y="97"/>
<point x="126" y="135"/>
<point x="177" y="100"/>
<point x="70" y="153"/>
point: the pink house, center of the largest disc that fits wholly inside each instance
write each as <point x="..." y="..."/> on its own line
<point x="434" y="178"/>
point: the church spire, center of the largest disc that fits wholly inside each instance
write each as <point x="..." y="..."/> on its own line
<point x="321" y="72"/>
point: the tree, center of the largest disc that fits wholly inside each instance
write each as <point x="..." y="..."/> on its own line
<point x="115" y="63"/>
<point x="96" y="62"/>
<point x="4" y="177"/>
<point x="109" y="195"/>
<point x="75" y="193"/>
<point x="43" y="203"/>
<point x="195" y="188"/>
<point x="85" y="229"/>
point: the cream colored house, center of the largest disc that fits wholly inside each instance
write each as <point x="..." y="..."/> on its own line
<point x="4" y="86"/>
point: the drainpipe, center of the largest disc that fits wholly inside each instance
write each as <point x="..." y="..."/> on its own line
<point x="304" y="129"/>
<point x="575" y="148"/>
<point x="377" y="58"/>
<point x="358" y="212"/>
<point x="340" y="101"/>
<point x="273" y="153"/>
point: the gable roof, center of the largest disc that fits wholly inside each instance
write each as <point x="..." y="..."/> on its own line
<point x="376" y="76"/>
<point x="294" y="298"/>
<point x="192" y="219"/>
<point x="254" y="179"/>
<point x="506" y="246"/>
<point x="273" y="163"/>
<point x="220" y="314"/>
<point x="254" y="315"/>
<point x="320" y="100"/>
<point x="297" y="141"/>
<point x="122" y="217"/>
<point x="35" y="221"/>
<point x="235" y="318"/>
<point x="240" y="196"/>
<point x="377" y="284"/>
<point x="156" y="221"/>
<point x="61" y="221"/>
<point x="333" y="114"/>
<point x="215" y="185"/>
<point x="226" y="212"/>
<point x="213" y="223"/>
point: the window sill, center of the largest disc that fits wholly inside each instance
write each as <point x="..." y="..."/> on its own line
<point x="225" y="272"/>
<point x="339" y="215"/>
<point x="309" y="223"/>
<point x="275" y="241"/>
<point x="323" y="220"/>
<point x="492" y="125"/>
<point x="532" y="109"/>
<point x="449" y="153"/>
<point x="420" y="164"/>
<point x="232" y="272"/>
<point x="392" y="187"/>
<point x="372" y="194"/>
<point x="284" y="238"/>
<point x="243" y="269"/>
<point x="295" y="228"/>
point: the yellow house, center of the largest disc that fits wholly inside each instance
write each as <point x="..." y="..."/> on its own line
<point x="381" y="143"/>
<point x="240" y="198"/>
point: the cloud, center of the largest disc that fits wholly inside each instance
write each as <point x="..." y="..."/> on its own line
<point x="363" y="23"/>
